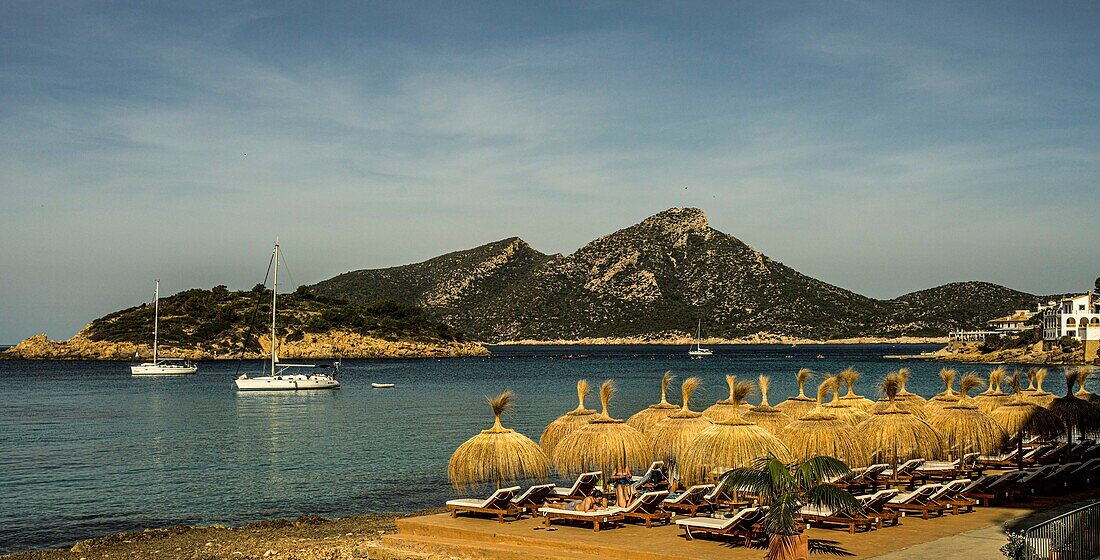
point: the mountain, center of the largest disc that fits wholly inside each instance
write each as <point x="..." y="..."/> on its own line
<point x="213" y="323"/>
<point x="652" y="280"/>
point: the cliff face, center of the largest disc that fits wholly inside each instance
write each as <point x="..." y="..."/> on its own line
<point x="310" y="346"/>
<point x="652" y="281"/>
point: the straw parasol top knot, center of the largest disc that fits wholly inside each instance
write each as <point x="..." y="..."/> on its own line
<point x="849" y="375"/>
<point x="763" y="382"/>
<point x="500" y="404"/>
<point x="803" y="375"/>
<point x="566" y="423"/>
<point x="947" y="375"/>
<point x="969" y="382"/>
<point x="686" y="389"/>
<point x="645" y="419"/>
<point x="1032" y="375"/>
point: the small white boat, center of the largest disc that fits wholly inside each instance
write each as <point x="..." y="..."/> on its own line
<point x="382" y="385"/>
<point x="161" y="366"/>
<point x="280" y="380"/>
<point x="697" y="350"/>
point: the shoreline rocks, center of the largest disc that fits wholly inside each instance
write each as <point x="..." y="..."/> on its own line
<point x="969" y="352"/>
<point x="343" y="344"/>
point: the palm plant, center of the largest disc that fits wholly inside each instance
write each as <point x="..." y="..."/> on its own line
<point x="785" y="489"/>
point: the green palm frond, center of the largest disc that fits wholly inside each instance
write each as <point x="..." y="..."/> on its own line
<point x="829" y="496"/>
<point x="816" y="470"/>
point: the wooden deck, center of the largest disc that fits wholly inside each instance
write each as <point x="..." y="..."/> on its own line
<point x="527" y="539"/>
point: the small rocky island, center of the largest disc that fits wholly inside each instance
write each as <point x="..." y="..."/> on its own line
<point x="222" y="324"/>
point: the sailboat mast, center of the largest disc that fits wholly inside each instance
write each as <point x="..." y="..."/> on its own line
<point x="156" y="318"/>
<point x="274" y="296"/>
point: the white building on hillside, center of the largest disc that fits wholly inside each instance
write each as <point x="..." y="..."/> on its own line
<point x="1014" y="322"/>
<point x="1076" y="317"/>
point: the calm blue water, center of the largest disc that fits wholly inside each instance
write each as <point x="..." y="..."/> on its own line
<point x="85" y="449"/>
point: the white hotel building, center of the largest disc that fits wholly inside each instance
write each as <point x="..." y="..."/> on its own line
<point x="1076" y="317"/>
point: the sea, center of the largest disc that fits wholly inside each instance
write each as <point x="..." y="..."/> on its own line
<point x="87" y="450"/>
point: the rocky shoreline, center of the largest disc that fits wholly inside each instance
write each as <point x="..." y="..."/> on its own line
<point x="327" y="345"/>
<point x="970" y="353"/>
<point x="306" y="538"/>
<point x="760" y="338"/>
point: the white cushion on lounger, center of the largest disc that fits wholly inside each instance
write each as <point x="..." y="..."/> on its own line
<point x="708" y="522"/>
<point x="597" y="513"/>
<point x="474" y="502"/>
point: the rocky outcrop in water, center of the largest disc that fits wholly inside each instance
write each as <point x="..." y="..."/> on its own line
<point x="311" y="346"/>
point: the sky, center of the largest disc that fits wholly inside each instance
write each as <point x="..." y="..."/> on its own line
<point x="882" y="147"/>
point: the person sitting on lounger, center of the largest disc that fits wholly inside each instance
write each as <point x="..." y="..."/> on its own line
<point x="590" y="503"/>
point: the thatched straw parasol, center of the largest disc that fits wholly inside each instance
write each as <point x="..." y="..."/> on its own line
<point x="801" y="404"/>
<point x="672" y="435"/>
<point x="895" y="435"/>
<point x="568" y="422"/>
<point x="909" y="402"/>
<point x="820" y="432"/>
<point x="946" y="397"/>
<point x="606" y="444"/>
<point x="1021" y="418"/>
<point x="993" y="397"/>
<point x="766" y="416"/>
<point x="645" y="419"/>
<point x="1075" y="413"/>
<point x="725" y="408"/>
<point x="1039" y="396"/>
<point x="849" y="376"/>
<point x="729" y="444"/>
<point x="843" y="410"/>
<point x="1083" y="374"/>
<point x="498" y="454"/>
<point x="964" y="428"/>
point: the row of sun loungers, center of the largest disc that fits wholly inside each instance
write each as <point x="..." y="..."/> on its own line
<point x="876" y="509"/>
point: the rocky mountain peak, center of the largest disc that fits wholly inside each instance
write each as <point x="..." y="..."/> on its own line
<point x="678" y="221"/>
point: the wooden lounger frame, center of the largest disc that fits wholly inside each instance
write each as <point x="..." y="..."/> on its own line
<point x="500" y="513"/>
<point x="614" y="518"/>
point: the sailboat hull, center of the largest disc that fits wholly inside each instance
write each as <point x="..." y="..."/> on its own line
<point x="286" y="383"/>
<point x="153" y="369"/>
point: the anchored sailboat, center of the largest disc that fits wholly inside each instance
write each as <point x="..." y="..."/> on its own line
<point x="697" y="350"/>
<point x="161" y="366"/>
<point x="281" y="379"/>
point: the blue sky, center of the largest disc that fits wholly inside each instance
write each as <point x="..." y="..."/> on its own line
<point x="883" y="147"/>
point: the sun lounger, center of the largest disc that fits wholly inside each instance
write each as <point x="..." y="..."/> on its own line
<point x="1032" y="456"/>
<point x="852" y="518"/>
<point x="581" y="488"/>
<point x="1010" y="459"/>
<point x="596" y="518"/>
<point x="867" y="478"/>
<point x="1053" y="454"/>
<point x="498" y="504"/>
<point x="718" y="496"/>
<point x="1086" y="472"/>
<point x="647" y="507"/>
<point x="903" y="473"/>
<point x="655" y="478"/>
<point x="950" y="494"/>
<point x="533" y="498"/>
<point x="874" y="506"/>
<point x="1076" y="450"/>
<point x="691" y="500"/>
<point x="919" y="499"/>
<point x="1031" y="480"/>
<point x="1058" y="479"/>
<point x="745" y="524"/>
<point x="993" y="488"/>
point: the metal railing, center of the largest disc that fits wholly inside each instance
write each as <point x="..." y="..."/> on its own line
<point x="1074" y="535"/>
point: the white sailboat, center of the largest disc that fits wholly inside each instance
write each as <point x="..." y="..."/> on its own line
<point x="282" y="378"/>
<point x="697" y="350"/>
<point x="161" y="366"/>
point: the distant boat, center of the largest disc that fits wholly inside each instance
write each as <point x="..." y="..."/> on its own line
<point x="280" y="380"/>
<point x="382" y="385"/>
<point x="697" y="350"/>
<point x="161" y="366"/>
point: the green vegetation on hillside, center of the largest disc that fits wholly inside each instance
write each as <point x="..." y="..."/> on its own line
<point x="222" y="316"/>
